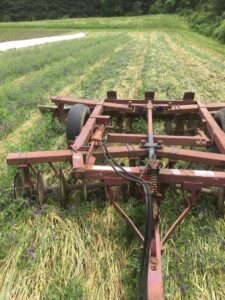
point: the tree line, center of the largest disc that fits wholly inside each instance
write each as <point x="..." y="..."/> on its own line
<point x="21" y="10"/>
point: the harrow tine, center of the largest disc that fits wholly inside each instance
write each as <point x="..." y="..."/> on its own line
<point x="85" y="192"/>
<point x="21" y="190"/>
<point x="63" y="189"/>
<point x="19" y="185"/>
<point x="220" y="198"/>
<point x="40" y="189"/>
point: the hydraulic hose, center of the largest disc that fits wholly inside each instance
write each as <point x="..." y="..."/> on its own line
<point x="143" y="273"/>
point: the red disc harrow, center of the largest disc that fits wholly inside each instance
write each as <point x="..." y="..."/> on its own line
<point x="100" y="132"/>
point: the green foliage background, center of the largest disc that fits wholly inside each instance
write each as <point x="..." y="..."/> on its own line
<point x="207" y="17"/>
<point x="18" y="10"/>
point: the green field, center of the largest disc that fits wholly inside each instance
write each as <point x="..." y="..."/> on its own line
<point x="142" y="22"/>
<point x="87" y="252"/>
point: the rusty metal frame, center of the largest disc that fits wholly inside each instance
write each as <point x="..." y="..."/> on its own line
<point x="84" y="151"/>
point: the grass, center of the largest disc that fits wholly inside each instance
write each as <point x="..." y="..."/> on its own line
<point x="142" y="22"/>
<point x="87" y="252"/>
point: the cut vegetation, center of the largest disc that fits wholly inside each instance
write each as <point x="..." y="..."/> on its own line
<point x="87" y="252"/>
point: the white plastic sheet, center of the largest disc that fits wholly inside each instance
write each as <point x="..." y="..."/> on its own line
<point x="39" y="41"/>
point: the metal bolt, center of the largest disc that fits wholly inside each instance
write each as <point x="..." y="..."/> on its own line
<point x="142" y="142"/>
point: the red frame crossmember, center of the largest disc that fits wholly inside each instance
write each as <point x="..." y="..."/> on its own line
<point x="85" y="151"/>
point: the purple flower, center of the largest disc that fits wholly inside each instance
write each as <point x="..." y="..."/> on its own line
<point x="183" y="287"/>
<point x="33" y="256"/>
<point x="181" y="207"/>
<point x="37" y="211"/>
<point x="10" y="219"/>
<point x="11" y="237"/>
<point x="72" y="207"/>
<point x="30" y="253"/>
<point x="223" y="245"/>
<point x="201" y="215"/>
<point x="186" y="269"/>
<point x="26" y="203"/>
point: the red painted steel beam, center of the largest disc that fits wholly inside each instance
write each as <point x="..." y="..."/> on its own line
<point x="155" y="277"/>
<point x="119" y="151"/>
<point x="23" y="158"/>
<point x="200" y="157"/>
<point x="70" y="101"/>
<point x="128" y="101"/>
<point x="175" y="224"/>
<point x="110" y="105"/>
<point x="154" y="102"/>
<point x="91" y="103"/>
<point x="196" y="140"/>
<point x="169" y="102"/>
<point x="101" y="171"/>
<point x="78" y="161"/>
<point x="38" y="157"/>
<point x="128" y="220"/>
<point x="173" y="106"/>
<point x="117" y="107"/>
<point x="216" y="133"/>
<point x="124" y="151"/>
<point x="151" y="150"/>
<point x="150" y="117"/>
<point x="86" y="131"/>
<point x="126" y="105"/>
<point x="207" y="178"/>
<point x="126" y="138"/>
<point x="90" y="158"/>
<point x="180" y="108"/>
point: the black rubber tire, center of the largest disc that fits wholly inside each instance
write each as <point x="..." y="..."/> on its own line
<point x="76" y="118"/>
<point x="220" y="118"/>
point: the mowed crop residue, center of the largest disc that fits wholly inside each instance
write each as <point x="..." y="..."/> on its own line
<point x="96" y="67"/>
<point x="15" y="136"/>
<point x="204" y="73"/>
<point x="130" y="78"/>
<point x="45" y="80"/>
